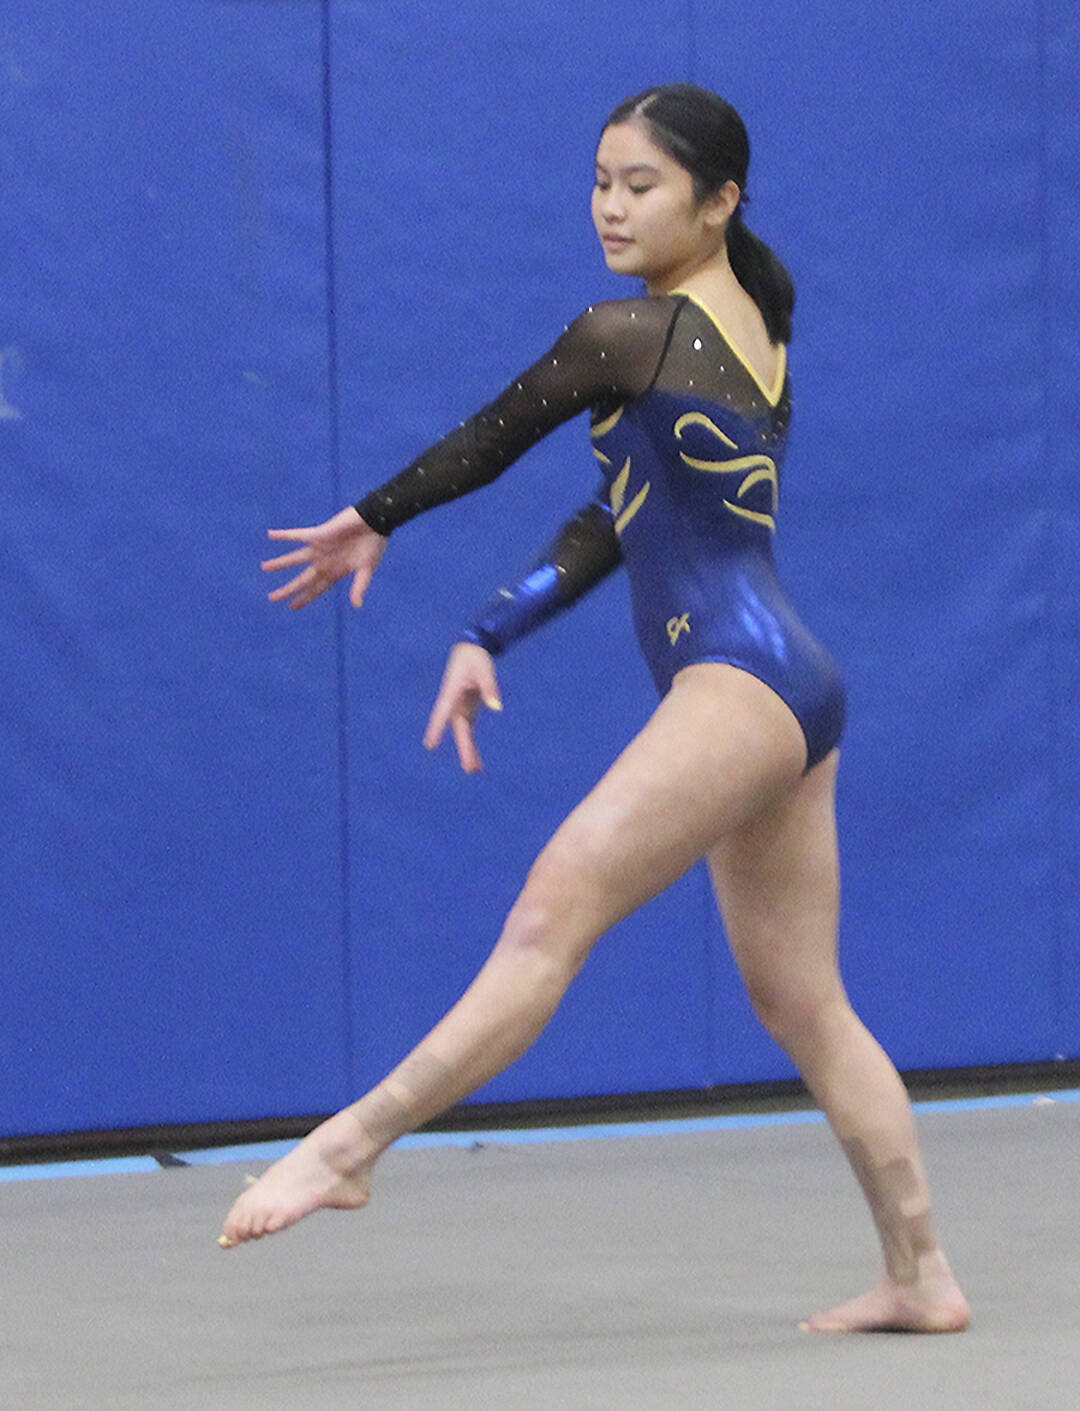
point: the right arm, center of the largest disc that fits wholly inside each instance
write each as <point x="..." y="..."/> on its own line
<point x="608" y="355"/>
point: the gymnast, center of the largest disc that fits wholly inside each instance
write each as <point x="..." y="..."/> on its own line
<point x="688" y="393"/>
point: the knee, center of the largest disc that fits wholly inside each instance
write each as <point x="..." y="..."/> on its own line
<point x="794" y="1016"/>
<point x="550" y="916"/>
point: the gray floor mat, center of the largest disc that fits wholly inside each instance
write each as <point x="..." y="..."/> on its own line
<point x="638" y="1273"/>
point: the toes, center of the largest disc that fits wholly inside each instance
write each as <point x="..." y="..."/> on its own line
<point x="823" y="1325"/>
<point x="236" y="1228"/>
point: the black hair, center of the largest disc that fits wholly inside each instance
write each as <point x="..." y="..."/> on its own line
<point x="706" y="136"/>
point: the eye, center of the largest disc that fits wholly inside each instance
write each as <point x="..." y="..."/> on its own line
<point x="640" y="190"/>
<point x="602" y="185"/>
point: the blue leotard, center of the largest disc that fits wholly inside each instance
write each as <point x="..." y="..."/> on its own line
<point x="691" y="446"/>
<point x="693" y="473"/>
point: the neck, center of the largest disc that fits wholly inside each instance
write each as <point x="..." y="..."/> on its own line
<point x="711" y="268"/>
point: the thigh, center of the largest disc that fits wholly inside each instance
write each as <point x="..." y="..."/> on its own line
<point x="720" y="748"/>
<point x="777" y="881"/>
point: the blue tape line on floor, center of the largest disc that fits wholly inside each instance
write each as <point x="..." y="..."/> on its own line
<point x="257" y="1151"/>
<point x="528" y="1136"/>
<point x="109" y="1167"/>
<point x="979" y="1104"/>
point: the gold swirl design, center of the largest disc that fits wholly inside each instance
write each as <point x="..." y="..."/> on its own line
<point x="755" y="515"/>
<point x="618" y="498"/>
<point x="700" y="419"/>
<point x="632" y="508"/>
<point x="764" y="463"/>
<point x="603" y="427"/>
<point x="618" y="487"/>
<point x="762" y="469"/>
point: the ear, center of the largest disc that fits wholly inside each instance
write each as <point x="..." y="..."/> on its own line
<point x="718" y="208"/>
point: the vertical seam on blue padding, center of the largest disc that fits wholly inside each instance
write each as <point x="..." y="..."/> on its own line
<point x="340" y="599"/>
<point x="711" y="924"/>
<point x="691" y="42"/>
<point x="1053" y="491"/>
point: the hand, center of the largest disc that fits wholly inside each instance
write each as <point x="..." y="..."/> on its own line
<point x="468" y="680"/>
<point x="344" y="544"/>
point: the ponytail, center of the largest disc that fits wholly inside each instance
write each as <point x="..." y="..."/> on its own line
<point x="763" y="276"/>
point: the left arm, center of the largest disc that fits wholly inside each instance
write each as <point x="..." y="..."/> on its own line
<point x="585" y="550"/>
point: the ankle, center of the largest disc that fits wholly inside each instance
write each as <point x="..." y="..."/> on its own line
<point x="928" y="1269"/>
<point x="379" y="1119"/>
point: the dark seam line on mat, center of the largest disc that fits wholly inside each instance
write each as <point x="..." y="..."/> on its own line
<point x="492" y="1140"/>
<point x="166" y="1160"/>
<point x="341" y="607"/>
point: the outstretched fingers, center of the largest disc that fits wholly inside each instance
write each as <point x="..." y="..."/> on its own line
<point x="361" y="579"/>
<point x="302" y="589"/>
<point x="296" y="588"/>
<point x="343" y="545"/>
<point x="289" y="560"/>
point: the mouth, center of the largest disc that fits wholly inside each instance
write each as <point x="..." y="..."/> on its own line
<point x="615" y="242"/>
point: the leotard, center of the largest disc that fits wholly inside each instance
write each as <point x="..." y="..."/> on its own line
<point x="690" y="444"/>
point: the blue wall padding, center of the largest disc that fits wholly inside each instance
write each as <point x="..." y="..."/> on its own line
<point x="252" y="259"/>
<point x="484" y="251"/>
<point x="172" y="890"/>
<point x="1060" y="450"/>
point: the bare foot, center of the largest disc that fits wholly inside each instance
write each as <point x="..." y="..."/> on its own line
<point x="932" y="1304"/>
<point x="329" y="1170"/>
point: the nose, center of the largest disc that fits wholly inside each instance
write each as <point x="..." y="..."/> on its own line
<point x="612" y="206"/>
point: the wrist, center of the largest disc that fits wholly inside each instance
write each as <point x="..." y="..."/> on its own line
<point x="477" y="637"/>
<point x="374" y="516"/>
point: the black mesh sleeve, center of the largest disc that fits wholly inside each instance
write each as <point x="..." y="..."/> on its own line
<point x="608" y="355"/>
<point x="584" y="551"/>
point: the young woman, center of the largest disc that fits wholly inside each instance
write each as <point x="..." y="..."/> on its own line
<point x="688" y="392"/>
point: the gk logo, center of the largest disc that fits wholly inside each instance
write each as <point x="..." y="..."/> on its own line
<point x="677" y="626"/>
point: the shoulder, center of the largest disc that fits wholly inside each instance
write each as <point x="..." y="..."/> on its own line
<point x="628" y="333"/>
<point x="627" y="317"/>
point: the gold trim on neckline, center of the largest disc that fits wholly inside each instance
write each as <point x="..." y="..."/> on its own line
<point x="771" y="396"/>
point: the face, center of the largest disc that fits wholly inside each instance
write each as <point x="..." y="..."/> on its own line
<point x="645" y="214"/>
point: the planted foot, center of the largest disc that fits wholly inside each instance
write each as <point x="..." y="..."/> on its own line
<point x="931" y="1303"/>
